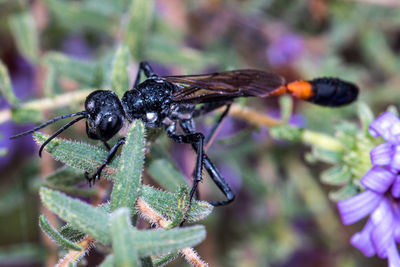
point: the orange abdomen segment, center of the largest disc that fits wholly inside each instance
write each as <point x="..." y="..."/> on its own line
<point x="301" y="89"/>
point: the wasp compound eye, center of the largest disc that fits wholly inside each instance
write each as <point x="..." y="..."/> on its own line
<point x="108" y="126"/>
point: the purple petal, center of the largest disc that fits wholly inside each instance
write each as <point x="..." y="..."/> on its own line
<point x="378" y="179"/>
<point x="395" y="190"/>
<point x="396" y="219"/>
<point x="353" y="209"/>
<point x="382" y="234"/>
<point x="393" y="255"/>
<point x="382" y="125"/>
<point x="362" y="240"/>
<point x="381" y="154"/>
<point x="395" y="133"/>
<point x="395" y="161"/>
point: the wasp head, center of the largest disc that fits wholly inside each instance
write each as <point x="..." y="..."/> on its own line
<point x="106" y="115"/>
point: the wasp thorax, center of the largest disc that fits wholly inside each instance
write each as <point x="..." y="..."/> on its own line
<point x="134" y="104"/>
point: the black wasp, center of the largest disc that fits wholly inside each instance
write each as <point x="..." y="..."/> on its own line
<point x="173" y="101"/>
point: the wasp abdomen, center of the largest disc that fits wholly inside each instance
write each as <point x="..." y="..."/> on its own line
<point x="332" y="92"/>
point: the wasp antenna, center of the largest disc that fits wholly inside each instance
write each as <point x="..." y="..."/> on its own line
<point x="49" y="122"/>
<point x="66" y="126"/>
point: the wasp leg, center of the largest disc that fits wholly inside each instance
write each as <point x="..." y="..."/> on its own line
<point x="107" y="160"/>
<point x="148" y="72"/>
<point x="197" y="141"/>
<point x="215" y="175"/>
<point x="107" y="145"/>
<point x="214" y="130"/>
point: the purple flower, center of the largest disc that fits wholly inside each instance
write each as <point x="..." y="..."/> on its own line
<point x="285" y="49"/>
<point x="381" y="199"/>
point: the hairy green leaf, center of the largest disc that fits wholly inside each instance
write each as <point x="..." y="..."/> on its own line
<point x="165" y="258"/>
<point x="50" y="81"/>
<point x="365" y="115"/>
<point x="5" y="85"/>
<point x="128" y="183"/>
<point x="23" y="28"/>
<point x="23" y="114"/>
<point x="54" y="235"/>
<point x="166" y="204"/>
<point x="155" y="242"/>
<point x="286" y="132"/>
<point x="165" y="173"/>
<point x="84" y="72"/>
<point x="84" y="217"/>
<point x="82" y="14"/>
<point x="123" y="244"/>
<point x="69" y="232"/>
<point x="343" y="193"/>
<point x="65" y="176"/>
<point x="338" y="175"/>
<point x="119" y="74"/>
<point x="136" y="32"/>
<point x="78" y="155"/>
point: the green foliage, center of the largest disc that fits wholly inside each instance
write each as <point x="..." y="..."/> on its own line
<point x="5" y="85"/>
<point x="128" y="179"/>
<point x="188" y="38"/>
<point x="125" y="170"/>
<point x="54" y="235"/>
<point x="81" y="156"/>
<point x="348" y="151"/>
<point x="25" y="34"/>
<point x="119" y="74"/>
<point x="123" y="244"/>
<point x="84" y="72"/>
<point x="166" y="174"/>
<point x="140" y="18"/>
<point x="82" y="216"/>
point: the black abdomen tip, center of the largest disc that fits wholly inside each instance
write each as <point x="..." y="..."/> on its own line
<point x="333" y="92"/>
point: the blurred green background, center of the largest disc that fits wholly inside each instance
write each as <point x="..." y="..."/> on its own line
<point x="282" y="215"/>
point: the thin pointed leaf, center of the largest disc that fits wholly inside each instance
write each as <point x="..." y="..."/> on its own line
<point x="165" y="258"/>
<point x="328" y="156"/>
<point x="166" y="203"/>
<point x="119" y="74"/>
<point x="5" y="85"/>
<point x="128" y="183"/>
<point x="136" y="33"/>
<point x="286" y="106"/>
<point x="78" y="155"/>
<point x="69" y="232"/>
<point x="286" y="132"/>
<point x="156" y="242"/>
<point x="50" y="81"/>
<point x="23" y="28"/>
<point x="54" y="235"/>
<point x="82" y="71"/>
<point x="338" y="175"/>
<point x="365" y="115"/>
<point x="65" y="176"/>
<point x="123" y="244"/>
<point x="343" y="193"/>
<point x="165" y="173"/>
<point x="75" y="235"/>
<point x="84" y="217"/>
<point x="82" y="15"/>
